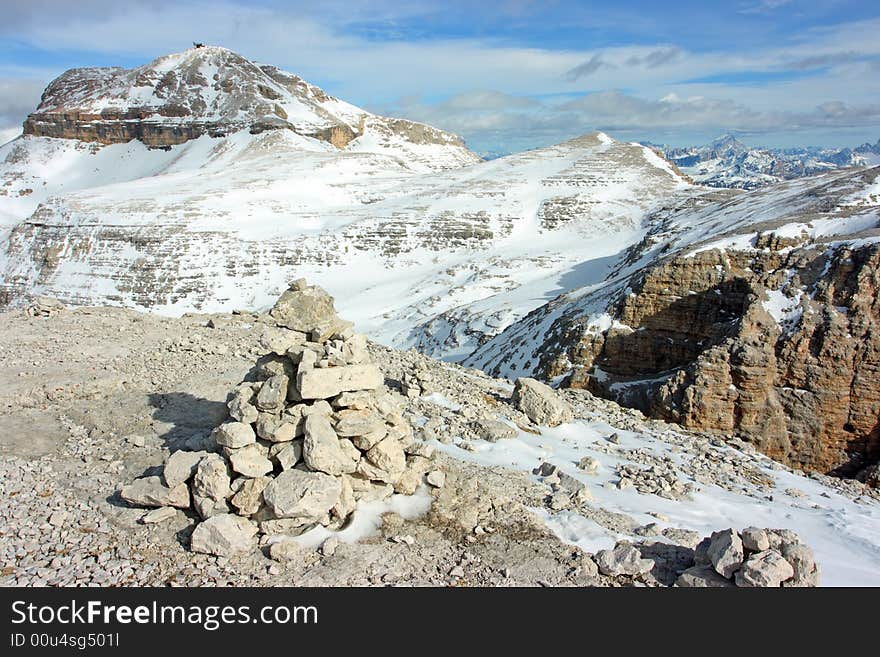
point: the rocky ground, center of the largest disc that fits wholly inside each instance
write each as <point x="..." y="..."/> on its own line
<point x="92" y="398"/>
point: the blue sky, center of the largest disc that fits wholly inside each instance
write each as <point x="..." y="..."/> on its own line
<point x="506" y="75"/>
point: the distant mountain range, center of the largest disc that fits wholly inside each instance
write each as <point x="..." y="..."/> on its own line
<point x="727" y="162"/>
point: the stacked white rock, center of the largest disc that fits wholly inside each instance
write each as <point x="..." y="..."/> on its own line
<point x="313" y="432"/>
<point x="753" y="557"/>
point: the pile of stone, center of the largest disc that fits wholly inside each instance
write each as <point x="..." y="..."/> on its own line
<point x="657" y="479"/>
<point x="44" y="307"/>
<point x="752" y="558"/>
<point x="567" y="492"/>
<point x="312" y="432"/>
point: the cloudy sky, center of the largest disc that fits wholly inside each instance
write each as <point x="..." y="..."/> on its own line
<point x="505" y="75"/>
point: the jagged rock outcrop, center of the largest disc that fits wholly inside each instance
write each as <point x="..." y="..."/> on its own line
<point x="730" y="342"/>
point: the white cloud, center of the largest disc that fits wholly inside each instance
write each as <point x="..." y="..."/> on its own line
<point x="482" y="84"/>
<point x="17" y="98"/>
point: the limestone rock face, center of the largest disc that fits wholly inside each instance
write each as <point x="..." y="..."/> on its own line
<point x="202" y="91"/>
<point x="730" y="342"/>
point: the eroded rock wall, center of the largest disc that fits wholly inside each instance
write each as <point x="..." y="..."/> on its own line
<point x="778" y="345"/>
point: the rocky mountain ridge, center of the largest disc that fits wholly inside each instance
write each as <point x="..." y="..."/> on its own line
<point x="449" y="258"/>
<point x="592" y="263"/>
<point x="754" y="316"/>
<point x="727" y="162"/>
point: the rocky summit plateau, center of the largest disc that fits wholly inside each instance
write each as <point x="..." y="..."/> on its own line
<point x="254" y="335"/>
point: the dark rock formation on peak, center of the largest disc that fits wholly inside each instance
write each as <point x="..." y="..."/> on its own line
<point x="204" y="90"/>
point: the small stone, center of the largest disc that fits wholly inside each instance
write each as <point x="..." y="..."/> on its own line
<point x="408" y="483"/>
<point x="726" y="552"/>
<point x="387" y="455"/>
<point x="359" y="401"/>
<point x="151" y="491"/>
<point x="58" y="518"/>
<point x="545" y="469"/>
<point x="321" y="448"/>
<point x="250" y="461"/>
<point x="181" y="466"/>
<point x="493" y="430"/>
<point x="288" y="454"/>
<point x="367" y="441"/>
<point x="436" y="478"/>
<point x="224" y="535"/>
<point x="755" y="540"/>
<point x="158" y="515"/>
<point x="329" y="382"/>
<point x="702" y="577"/>
<point x="280" y="340"/>
<point x="320" y="407"/>
<point x="285" y="550"/>
<point x="211" y="480"/>
<point x="346" y="502"/>
<point x="273" y="393"/>
<point x="249" y="498"/>
<point x="802" y="561"/>
<point x="651" y="529"/>
<point x="241" y="407"/>
<point x="560" y="500"/>
<point x="136" y="440"/>
<point x="234" y="435"/>
<point x="624" y="559"/>
<point x="298" y="494"/>
<point x="328" y="548"/>
<point x="589" y="465"/>
<point x="303" y="308"/>
<point x="541" y="404"/>
<point x="764" y="569"/>
<point x="358" y="423"/>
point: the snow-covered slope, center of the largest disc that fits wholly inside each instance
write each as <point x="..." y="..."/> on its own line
<point x="727" y="162"/>
<point x="830" y="210"/>
<point x="439" y="260"/>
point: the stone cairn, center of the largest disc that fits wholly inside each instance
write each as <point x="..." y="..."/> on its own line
<point x="753" y="557"/>
<point x="312" y="431"/>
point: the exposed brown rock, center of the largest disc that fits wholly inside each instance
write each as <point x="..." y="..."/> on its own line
<point x="698" y="347"/>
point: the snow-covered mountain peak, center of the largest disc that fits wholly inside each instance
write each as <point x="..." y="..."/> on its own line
<point x="215" y="91"/>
